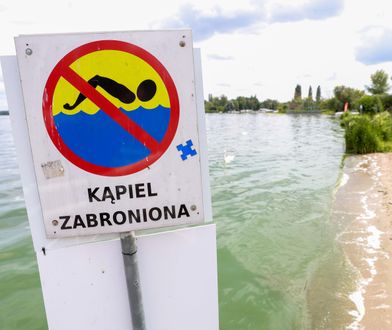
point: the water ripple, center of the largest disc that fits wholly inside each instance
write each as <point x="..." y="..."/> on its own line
<point x="271" y="205"/>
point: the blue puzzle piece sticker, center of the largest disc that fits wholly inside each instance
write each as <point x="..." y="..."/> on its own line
<point x="186" y="150"/>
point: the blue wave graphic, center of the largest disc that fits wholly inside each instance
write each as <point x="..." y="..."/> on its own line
<point x="101" y="141"/>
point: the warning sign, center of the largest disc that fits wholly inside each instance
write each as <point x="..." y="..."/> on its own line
<point x="114" y="131"/>
<point x="111" y="107"/>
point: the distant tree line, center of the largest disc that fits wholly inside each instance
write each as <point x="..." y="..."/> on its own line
<point x="223" y="104"/>
<point x="374" y="98"/>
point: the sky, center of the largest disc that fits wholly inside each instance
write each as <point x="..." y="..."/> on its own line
<point x="254" y="47"/>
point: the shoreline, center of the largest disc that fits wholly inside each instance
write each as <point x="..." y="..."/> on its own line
<point x="362" y="212"/>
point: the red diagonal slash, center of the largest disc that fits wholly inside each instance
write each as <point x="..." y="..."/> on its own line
<point x="109" y="108"/>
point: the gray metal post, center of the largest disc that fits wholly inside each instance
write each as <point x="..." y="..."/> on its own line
<point x="129" y="249"/>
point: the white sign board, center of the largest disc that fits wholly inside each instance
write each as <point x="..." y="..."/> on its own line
<point x="113" y="128"/>
<point x="84" y="286"/>
<point x="88" y="271"/>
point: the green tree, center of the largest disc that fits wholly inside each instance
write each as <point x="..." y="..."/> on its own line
<point x="229" y="107"/>
<point x="215" y="104"/>
<point x="297" y="93"/>
<point x="247" y="103"/>
<point x="269" y="104"/>
<point x="236" y="105"/>
<point x="241" y="102"/>
<point x="379" y="83"/>
<point x="222" y="101"/>
<point x="310" y="94"/>
<point x="318" y="94"/>
<point x="371" y="104"/>
<point x="253" y="103"/>
<point x="330" y="104"/>
<point x="345" y="94"/>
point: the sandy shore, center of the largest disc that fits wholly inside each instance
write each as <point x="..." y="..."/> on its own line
<point x="363" y="212"/>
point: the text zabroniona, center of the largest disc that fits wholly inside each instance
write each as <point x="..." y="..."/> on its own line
<point x="121" y="217"/>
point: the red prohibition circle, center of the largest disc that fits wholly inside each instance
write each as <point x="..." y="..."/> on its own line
<point x="62" y="69"/>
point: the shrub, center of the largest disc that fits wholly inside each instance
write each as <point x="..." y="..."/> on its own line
<point x="382" y="123"/>
<point x="329" y="104"/>
<point x="360" y="135"/>
<point x="365" y="134"/>
<point x="370" y="104"/>
<point x="345" y="119"/>
<point x="386" y="102"/>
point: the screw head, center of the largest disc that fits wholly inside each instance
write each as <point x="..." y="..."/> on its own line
<point x="182" y="43"/>
<point x="55" y="222"/>
<point x="29" y="51"/>
<point x="193" y="207"/>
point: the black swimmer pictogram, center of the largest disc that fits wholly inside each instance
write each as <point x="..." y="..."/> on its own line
<point x="145" y="91"/>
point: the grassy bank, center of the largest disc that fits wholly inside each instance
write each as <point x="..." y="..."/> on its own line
<point x="368" y="133"/>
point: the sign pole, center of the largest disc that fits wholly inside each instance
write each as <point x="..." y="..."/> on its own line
<point x="129" y="250"/>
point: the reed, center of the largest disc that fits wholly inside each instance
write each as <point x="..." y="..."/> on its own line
<point x="367" y="134"/>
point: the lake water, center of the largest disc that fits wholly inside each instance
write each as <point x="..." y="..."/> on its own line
<point x="278" y="261"/>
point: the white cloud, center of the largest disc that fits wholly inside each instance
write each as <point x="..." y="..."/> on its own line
<point x="205" y="25"/>
<point x="376" y="47"/>
<point x="218" y="19"/>
<point x="312" y="10"/>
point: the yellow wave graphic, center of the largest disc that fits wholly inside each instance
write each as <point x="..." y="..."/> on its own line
<point x="125" y="68"/>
